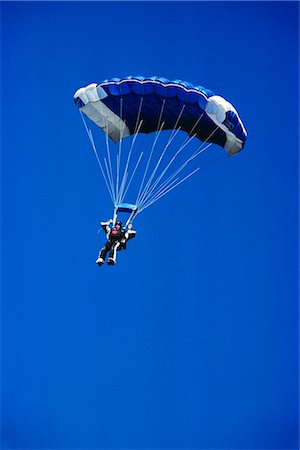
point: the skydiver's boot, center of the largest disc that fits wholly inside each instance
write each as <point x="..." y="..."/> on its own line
<point x="111" y="261"/>
<point x="101" y="256"/>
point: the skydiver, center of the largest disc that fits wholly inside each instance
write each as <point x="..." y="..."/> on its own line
<point x="117" y="238"/>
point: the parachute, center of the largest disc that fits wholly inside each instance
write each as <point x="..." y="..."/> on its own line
<point x="133" y="106"/>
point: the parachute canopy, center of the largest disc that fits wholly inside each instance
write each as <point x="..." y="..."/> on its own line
<point x="122" y="107"/>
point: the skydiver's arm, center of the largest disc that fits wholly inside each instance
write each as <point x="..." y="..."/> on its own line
<point x="105" y="225"/>
<point x="130" y="234"/>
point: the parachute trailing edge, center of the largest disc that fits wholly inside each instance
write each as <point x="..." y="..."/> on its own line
<point x="122" y="107"/>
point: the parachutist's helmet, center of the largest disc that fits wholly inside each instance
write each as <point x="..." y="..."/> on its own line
<point x="119" y="223"/>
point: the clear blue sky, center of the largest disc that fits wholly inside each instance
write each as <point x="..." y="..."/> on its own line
<point x="191" y="341"/>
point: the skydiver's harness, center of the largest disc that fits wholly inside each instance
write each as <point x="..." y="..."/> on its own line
<point x="113" y="236"/>
<point x="118" y="236"/>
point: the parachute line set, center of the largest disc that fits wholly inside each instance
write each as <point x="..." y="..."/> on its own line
<point x="128" y="108"/>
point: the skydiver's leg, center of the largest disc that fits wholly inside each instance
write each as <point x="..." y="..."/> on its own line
<point x="103" y="253"/>
<point x="113" y="253"/>
<point x="105" y="249"/>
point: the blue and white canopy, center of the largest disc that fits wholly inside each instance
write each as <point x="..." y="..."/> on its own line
<point x="118" y="105"/>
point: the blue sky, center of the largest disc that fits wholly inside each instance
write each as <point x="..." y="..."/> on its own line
<point x="191" y="340"/>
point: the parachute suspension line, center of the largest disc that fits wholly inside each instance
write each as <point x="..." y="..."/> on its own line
<point x="186" y="142"/>
<point x="109" y="178"/>
<point x="144" y="195"/>
<point x="167" y="167"/>
<point x="105" y="176"/>
<point x="130" y="218"/>
<point x="196" y="123"/>
<point x="167" y="190"/>
<point x="146" y="190"/>
<point x="200" y="149"/>
<point x="119" y="154"/>
<point x="110" y="166"/>
<point x="176" y="124"/>
<point x="138" y="122"/>
<point x="89" y="133"/>
<point x="198" y="152"/>
<point x="137" y="128"/>
<point x="142" y="190"/>
<point x="133" y="173"/>
<point x="159" y="129"/>
<point x="126" y="171"/>
<point x="111" y="183"/>
<point x="158" y="193"/>
<point x="169" y="185"/>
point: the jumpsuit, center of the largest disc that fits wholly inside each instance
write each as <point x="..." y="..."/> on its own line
<point x="114" y="238"/>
